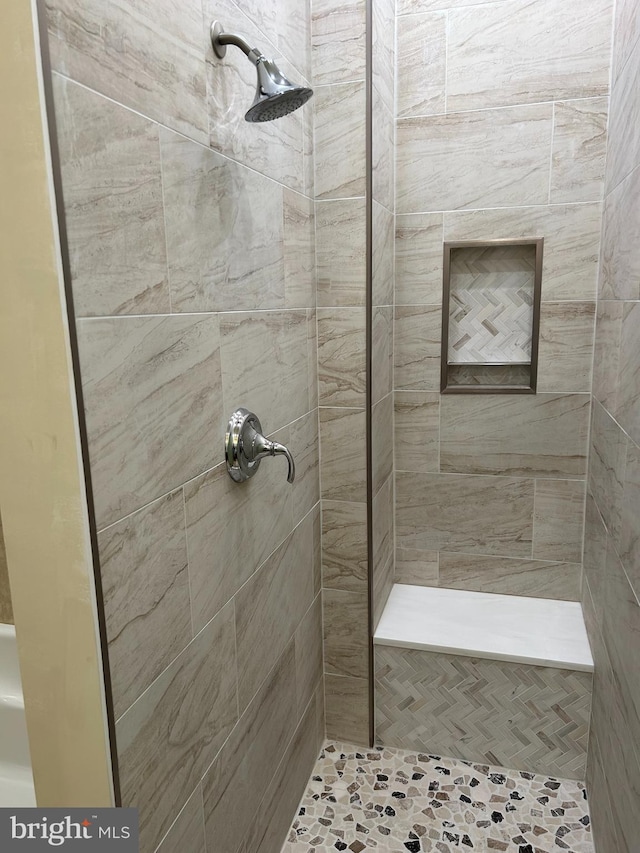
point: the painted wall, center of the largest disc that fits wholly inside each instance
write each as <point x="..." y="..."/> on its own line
<point x="6" y="609"/>
<point x="42" y="490"/>
<point x="611" y="592"/>
<point x="191" y="241"/>
<point x="501" y="133"/>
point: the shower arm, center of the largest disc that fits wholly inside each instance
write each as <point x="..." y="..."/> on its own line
<point x="220" y="40"/>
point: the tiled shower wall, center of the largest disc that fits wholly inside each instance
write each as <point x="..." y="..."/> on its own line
<point x="611" y="592"/>
<point x="501" y="133"/>
<point x="191" y="241"/>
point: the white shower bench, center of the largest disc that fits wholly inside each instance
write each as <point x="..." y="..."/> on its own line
<point x="496" y="679"/>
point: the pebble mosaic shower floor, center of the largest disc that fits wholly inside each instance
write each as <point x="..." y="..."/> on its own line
<point x="394" y="801"/>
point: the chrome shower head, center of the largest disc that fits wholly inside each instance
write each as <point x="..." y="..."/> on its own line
<point x="276" y="96"/>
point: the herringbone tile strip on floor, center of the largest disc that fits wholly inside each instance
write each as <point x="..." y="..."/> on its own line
<point x="516" y="715"/>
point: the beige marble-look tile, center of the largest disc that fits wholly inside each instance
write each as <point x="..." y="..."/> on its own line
<point x="419" y="568"/>
<point x="264" y="364"/>
<point x="541" y="435"/>
<point x="6" y="608"/>
<point x="566" y="342"/>
<point x="383" y="228"/>
<point x="344" y="546"/>
<point x="304" y="445"/>
<point x="345" y="617"/>
<point x="607" y="459"/>
<point x="299" y="250"/>
<point x="187" y="833"/>
<point x="571" y="242"/>
<point x="145" y="584"/>
<point x="271" y="605"/>
<point x="341" y="356"/>
<point x="341" y="252"/>
<point x="347" y="708"/>
<point x="382" y="441"/>
<point x="477" y="515"/>
<point x="317" y="549"/>
<point x="417" y="331"/>
<point x="418" y="276"/>
<point x="507" y="576"/>
<point x="607" y="352"/>
<point x="422" y="53"/>
<point x="487" y="158"/>
<point x="112" y="187"/>
<point x="339" y="112"/>
<point x="338" y="30"/>
<point x="221" y="255"/>
<point x="409" y="7"/>
<point x="151" y="61"/>
<point x="579" y="150"/>
<point x="595" y="556"/>
<point x="383" y="54"/>
<point x="273" y="148"/>
<point x="381" y="352"/>
<point x="278" y="807"/>
<point x="294" y="34"/>
<point x="231" y="530"/>
<point x="343" y="474"/>
<point x="383" y="148"/>
<point x="240" y="775"/>
<point x="558" y="520"/>
<point x="630" y="531"/>
<point x="628" y="392"/>
<point x="383" y="549"/>
<point x="417" y="431"/>
<point x="620" y="260"/>
<point x="623" y="151"/>
<point x="626" y="28"/>
<point x="517" y="53"/>
<point x="262" y="13"/>
<point x="168" y="738"/>
<point x="308" y="651"/>
<point x="312" y="357"/>
<point x="152" y="394"/>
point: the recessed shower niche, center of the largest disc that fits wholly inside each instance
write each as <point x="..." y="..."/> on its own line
<point x="491" y="316"/>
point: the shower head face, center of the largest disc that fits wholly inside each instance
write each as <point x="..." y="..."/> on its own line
<point x="276" y="96"/>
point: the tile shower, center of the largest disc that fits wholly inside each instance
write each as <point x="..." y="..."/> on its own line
<point x="295" y="267"/>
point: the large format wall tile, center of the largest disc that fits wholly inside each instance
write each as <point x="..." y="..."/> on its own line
<point x="626" y="30"/>
<point x="418" y="251"/>
<point x="309" y="654"/>
<point x="168" y="738"/>
<point x="630" y="532"/>
<point x="628" y="391"/>
<point x="607" y="352"/>
<point x="210" y="211"/>
<point x="417" y="332"/>
<point x="341" y="252"/>
<point x="343" y="474"/>
<point x="341" y="356"/>
<point x="382" y="442"/>
<point x="344" y="546"/>
<point x="507" y="576"/>
<point x="340" y="140"/>
<point x="566" y="346"/>
<point x="620" y="263"/>
<point x="383" y="236"/>
<point x="416" y="567"/>
<point x="489" y="158"/>
<point x="231" y="530"/>
<point x="579" y="150"/>
<point x="623" y="154"/>
<point x="239" y="777"/>
<point x="382" y="350"/>
<point x="270" y="607"/>
<point x="299" y="250"/>
<point x="422" y="49"/>
<point x="347" y="708"/>
<point x="147" y="56"/>
<point x="571" y="242"/>
<point x="607" y="458"/>
<point x="346" y="633"/>
<point x="264" y="365"/>
<point x="338" y="29"/>
<point x="152" y="395"/>
<point x="480" y="515"/>
<point x="145" y="584"/>
<point x="187" y="833"/>
<point x="110" y="159"/>
<point x="486" y="69"/>
<point x="558" y="520"/>
<point x="417" y="431"/>
<point x="304" y="444"/>
<point x="542" y="435"/>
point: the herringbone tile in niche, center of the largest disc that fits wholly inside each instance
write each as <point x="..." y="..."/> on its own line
<point x="394" y="801"/>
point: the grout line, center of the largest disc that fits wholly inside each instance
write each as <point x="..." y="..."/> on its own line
<point x="551" y="147"/>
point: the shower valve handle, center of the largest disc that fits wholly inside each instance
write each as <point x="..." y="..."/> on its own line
<point x="246" y="446"/>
